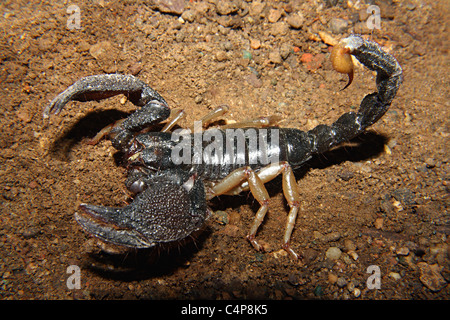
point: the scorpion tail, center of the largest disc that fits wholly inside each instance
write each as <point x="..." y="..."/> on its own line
<point x="369" y="53"/>
<point x="374" y="105"/>
<point x="372" y="108"/>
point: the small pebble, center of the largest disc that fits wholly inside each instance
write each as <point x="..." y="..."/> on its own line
<point x="279" y="29"/>
<point x="24" y="115"/>
<point x="188" y="15"/>
<point x="349" y="245"/>
<point x="318" y="291"/>
<point x="220" y="216"/>
<point x="341" y="282"/>
<point x="317" y="235"/>
<point x="350" y="286"/>
<point x="246" y="55"/>
<point x="293" y="279"/>
<point x="309" y="255"/>
<point x="30" y="232"/>
<point x="410" y="6"/>
<point x="333" y="253"/>
<point x="225" y="7"/>
<point x="255" y="44"/>
<point x="395" y="275"/>
<point x="135" y="68"/>
<point x="227" y="45"/>
<point x="353" y="254"/>
<point x="198" y="99"/>
<point x="363" y="15"/>
<point x="430" y="276"/>
<point x="430" y="162"/>
<point x="295" y="20"/>
<point x="403" y="251"/>
<point x="168" y="6"/>
<point x="285" y="51"/>
<point x="274" y="15"/>
<point x="100" y="49"/>
<point x="306" y="57"/>
<point x="279" y="254"/>
<point x="221" y="56"/>
<point x="378" y="223"/>
<point x="256" y="8"/>
<point x="33" y="184"/>
<point x="332" y="236"/>
<point x="338" y="25"/>
<point x="332" y="278"/>
<point x="346" y="175"/>
<point x="275" y="57"/>
<point x="7" y="153"/>
<point x="328" y="38"/>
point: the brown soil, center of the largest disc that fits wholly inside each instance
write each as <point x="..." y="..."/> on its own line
<point x="381" y="199"/>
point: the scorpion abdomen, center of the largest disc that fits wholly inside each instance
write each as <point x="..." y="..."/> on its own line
<point x="232" y="149"/>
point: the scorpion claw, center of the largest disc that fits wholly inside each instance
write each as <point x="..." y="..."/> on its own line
<point x="93" y="221"/>
<point x="170" y="209"/>
<point x="100" y="87"/>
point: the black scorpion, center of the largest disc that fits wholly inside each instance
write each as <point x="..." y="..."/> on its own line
<point x="171" y="195"/>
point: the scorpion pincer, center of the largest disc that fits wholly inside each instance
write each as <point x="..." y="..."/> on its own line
<point x="170" y="201"/>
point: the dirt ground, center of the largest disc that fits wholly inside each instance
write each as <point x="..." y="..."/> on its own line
<point x="381" y="199"/>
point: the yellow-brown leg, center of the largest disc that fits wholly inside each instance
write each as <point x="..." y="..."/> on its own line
<point x="245" y="178"/>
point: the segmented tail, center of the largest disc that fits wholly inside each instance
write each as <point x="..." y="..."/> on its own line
<point x="389" y="77"/>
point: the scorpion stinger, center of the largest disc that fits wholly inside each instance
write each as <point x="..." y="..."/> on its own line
<point x="171" y="193"/>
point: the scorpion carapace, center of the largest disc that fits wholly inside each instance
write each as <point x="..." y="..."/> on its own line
<point x="173" y="174"/>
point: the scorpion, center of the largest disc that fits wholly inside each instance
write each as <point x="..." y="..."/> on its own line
<point x="170" y="200"/>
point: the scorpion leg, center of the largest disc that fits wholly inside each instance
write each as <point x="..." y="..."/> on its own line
<point x="175" y="116"/>
<point x="293" y="198"/>
<point x="260" y="193"/>
<point x="258" y="190"/>
<point x="255" y="181"/>
<point x="209" y="117"/>
<point x="291" y="195"/>
<point x="259" y="122"/>
<point x="104" y="132"/>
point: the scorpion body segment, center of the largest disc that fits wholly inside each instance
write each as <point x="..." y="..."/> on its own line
<point x="173" y="174"/>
